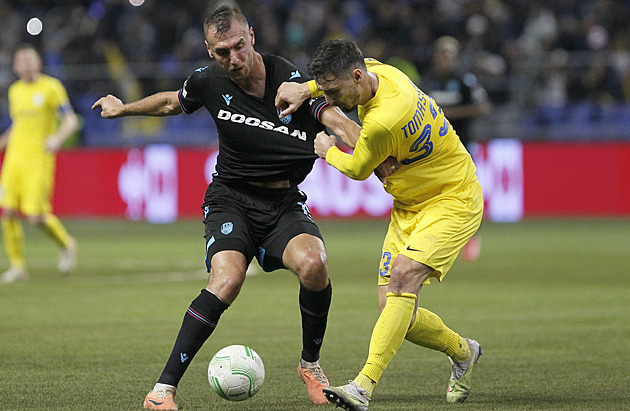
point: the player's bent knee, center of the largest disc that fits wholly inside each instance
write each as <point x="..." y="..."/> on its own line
<point x="36" y="220"/>
<point x="9" y="214"/>
<point x="406" y="281"/>
<point x="226" y="285"/>
<point x="313" y="272"/>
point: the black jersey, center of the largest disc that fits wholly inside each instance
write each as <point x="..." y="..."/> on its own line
<point x="254" y="143"/>
<point x="456" y="90"/>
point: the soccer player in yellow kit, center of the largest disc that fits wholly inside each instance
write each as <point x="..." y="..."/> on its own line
<point x="41" y="120"/>
<point x="437" y="207"/>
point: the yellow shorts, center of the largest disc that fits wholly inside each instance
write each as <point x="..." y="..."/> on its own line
<point x="434" y="235"/>
<point x="27" y="188"/>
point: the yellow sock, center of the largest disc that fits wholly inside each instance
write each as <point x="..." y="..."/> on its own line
<point x="53" y="227"/>
<point x="463" y="351"/>
<point x="428" y="330"/>
<point x="387" y="336"/>
<point x="13" y="236"/>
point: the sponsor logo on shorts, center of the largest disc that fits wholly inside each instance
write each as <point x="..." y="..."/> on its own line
<point x="227" y="228"/>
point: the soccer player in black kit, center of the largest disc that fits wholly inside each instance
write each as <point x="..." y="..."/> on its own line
<point x="253" y="206"/>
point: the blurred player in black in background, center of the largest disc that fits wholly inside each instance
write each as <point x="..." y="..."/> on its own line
<point x="462" y="98"/>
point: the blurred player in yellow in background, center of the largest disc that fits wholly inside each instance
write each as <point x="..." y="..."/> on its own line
<point x="41" y="121"/>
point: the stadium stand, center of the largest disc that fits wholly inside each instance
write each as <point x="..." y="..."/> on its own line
<point x="554" y="70"/>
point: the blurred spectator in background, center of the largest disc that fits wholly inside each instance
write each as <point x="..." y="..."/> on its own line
<point x="462" y="98"/>
<point x="458" y="93"/>
<point x="98" y="45"/>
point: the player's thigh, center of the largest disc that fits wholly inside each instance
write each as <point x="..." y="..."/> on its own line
<point x="293" y="222"/>
<point x="227" y="230"/>
<point x="227" y="274"/>
<point x="10" y="186"/>
<point x="37" y="190"/>
<point x="304" y="249"/>
<point x="439" y="234"/>
<point x="400" y="226"/>
<point x="432" y="237"/>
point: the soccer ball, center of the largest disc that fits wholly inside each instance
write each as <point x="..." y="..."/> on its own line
<point x="236" y="373"/>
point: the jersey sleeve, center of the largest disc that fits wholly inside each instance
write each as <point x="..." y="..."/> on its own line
<point x="372" y="148"/>
<point x="312" y="87"/>
<point x="60" y="100"/>
<point x="188" y="95"/>
<point x="317" y="106"/>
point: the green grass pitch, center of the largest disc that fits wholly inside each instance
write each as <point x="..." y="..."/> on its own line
<point x="549" y="300"/>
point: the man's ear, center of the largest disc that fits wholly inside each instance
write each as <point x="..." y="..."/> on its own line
<point x="208" y="48"/>
<point x="357" y="75"/>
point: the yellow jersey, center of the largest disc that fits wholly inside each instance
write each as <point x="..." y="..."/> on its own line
<point x="403" y="122"/>
<point x="34" y="108"/>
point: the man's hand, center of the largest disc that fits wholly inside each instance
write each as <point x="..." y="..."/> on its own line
<point x="109" y="105"/>
<point x="323" y="143"/>
<point x="52" y="144"/>
<point x="290" y="97"/>
<point x="386" y="168"/>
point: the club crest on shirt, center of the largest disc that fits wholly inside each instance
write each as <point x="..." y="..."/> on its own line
<point x="227" y="228"/>
<point x="38" y="99"/>
<point x="286" y="119"/>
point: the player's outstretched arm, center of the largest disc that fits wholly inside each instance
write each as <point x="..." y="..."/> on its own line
<point x="290" y="97"/>
<point x="160" y="104"/>
<point x="68" y="124"/>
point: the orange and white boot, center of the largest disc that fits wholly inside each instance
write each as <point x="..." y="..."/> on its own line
<point x="313" y="376"/>
<point x="161" y="398"/>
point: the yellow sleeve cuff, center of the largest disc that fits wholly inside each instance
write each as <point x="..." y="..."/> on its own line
<point x="312" y="87"/>
<point x="333" y="153"/>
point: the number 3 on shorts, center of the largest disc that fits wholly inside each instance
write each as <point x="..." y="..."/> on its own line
<point x="386" y="259"/>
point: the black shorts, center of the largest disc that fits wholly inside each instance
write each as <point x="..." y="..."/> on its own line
<point x="254" y="221"/>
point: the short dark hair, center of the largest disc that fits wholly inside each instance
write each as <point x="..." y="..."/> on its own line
<point x="336" y="58"/>
<point x="221" y="19"/>
<point x="26" y="46"/>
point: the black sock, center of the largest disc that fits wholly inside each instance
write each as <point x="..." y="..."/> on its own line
<point x="199" y="321"/>
<point x="314" y="307"/>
